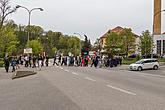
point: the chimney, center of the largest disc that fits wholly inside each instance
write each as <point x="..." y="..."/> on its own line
<point x="157" y="17"/>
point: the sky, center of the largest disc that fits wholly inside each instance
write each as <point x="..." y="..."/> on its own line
<point x="90" y="17"/>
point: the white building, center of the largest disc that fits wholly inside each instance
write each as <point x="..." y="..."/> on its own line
<point x="159" y="44"/>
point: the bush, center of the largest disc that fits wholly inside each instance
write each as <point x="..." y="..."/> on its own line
<point x="1" y="63"/>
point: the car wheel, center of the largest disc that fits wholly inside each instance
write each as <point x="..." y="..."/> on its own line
<point x="139" y="68"/>
<point x="155" y="67"/>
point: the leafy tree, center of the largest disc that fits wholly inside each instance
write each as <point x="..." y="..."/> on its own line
<point x="74" y="45"/>
<point x="35" y="31"/>
<point x="8" y="40"/>
<point x="97" y="45"/>
<point x="36" y="46"/>
<point x="128" y="41"/>
<point x="113" y="43"/>
<point x="146" y="43"/>
<point x="21" y="35"/>
<point x="86" y="44"/>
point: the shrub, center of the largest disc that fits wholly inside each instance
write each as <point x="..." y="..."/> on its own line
<point x="1" y="63"/>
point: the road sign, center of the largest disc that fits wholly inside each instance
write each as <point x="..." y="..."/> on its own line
<point x="28" y="50"/>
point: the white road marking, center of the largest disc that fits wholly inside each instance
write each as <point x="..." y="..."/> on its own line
<point x="67" y="70"/>
<point x="152" y="75"/>
<point x="75" y="73"/>
<point x="121" y="90"/>
<point x="90" y="79"/>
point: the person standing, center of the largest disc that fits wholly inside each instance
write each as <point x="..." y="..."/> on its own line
<point x="7" y="63"/>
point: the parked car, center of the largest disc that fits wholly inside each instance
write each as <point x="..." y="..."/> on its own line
<point x="145" y="64"/>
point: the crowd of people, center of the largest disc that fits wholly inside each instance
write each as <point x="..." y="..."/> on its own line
<point x="26" y="60"/>
<point x="87" y="60"/>
<point x="39" y="61"/>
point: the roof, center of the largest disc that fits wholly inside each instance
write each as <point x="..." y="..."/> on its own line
<point x="117" y="30"/>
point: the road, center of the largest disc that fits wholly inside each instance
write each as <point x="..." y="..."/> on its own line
<point x="83" y="88"/>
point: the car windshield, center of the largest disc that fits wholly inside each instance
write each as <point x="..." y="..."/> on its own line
<point x="139" y="62"/>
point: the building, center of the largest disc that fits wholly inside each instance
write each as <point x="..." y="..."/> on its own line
<point x="118" y="30"/>
<point x="158" y="37"/>
<point x="159" y="44"/>
<point x="157" y="17"/>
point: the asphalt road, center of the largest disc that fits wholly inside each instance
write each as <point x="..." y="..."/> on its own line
<point x="82" y="88"/>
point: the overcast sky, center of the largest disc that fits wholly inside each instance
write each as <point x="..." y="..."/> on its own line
<point x="90" y="17"/>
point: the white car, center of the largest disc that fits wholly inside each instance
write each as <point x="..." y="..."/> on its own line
<point x="145" y="64"/>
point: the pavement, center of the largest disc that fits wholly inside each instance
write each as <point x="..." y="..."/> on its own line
<point x="83" y="88"/>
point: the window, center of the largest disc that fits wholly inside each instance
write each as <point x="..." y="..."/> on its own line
<point x="159" y="47"/>
<point x="147" y="61"/>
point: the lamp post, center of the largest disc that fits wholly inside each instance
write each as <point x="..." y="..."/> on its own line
<point x="29" y="12"/>
<point x="154" y="30"/>
<point x="80" y="39"/>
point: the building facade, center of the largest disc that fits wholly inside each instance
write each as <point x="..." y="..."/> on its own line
<point x="157" y="17"/>
<point x="159" y="44"/>
<point x="158" y="38"/>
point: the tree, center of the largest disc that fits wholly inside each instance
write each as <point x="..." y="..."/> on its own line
<point x="146" y="43"/>
<point x="74" y="45"/>
<point x="128" y="41"/>
<point x="113" y="43"/>
<point x="36" y="46"/>
<point x="5" y="10"/>
<point x="35" y="31"/>
<point x="97" y="45"/>
<point x="8" y="40"/>
<point x="86" y="44"/>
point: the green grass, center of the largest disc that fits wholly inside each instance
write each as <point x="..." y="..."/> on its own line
<point x="161" y="59"/>
<point x="129" y="61"/>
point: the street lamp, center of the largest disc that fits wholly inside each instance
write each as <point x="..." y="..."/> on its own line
<point x="29" y="12"/>
<point x="153" y="28"/>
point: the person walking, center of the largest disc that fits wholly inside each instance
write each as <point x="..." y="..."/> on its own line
<point x="63" y="61"/>
<point x="30" y="59"/>
<point x="47" y="61"/>
<point x="55" y="60"/>
<point x="17" y="62"/>
<point x="13" y="64"/>
<point x="26" y="61"/>
<point x="34" y="61"/>
<point x="7" y="63"/>
<point x="96" y="61"/>
<point x="93" y="61"/>
<point x="40" y="62"/>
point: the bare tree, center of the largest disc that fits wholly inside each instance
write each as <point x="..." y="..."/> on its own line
<point x="5" y="10"/>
